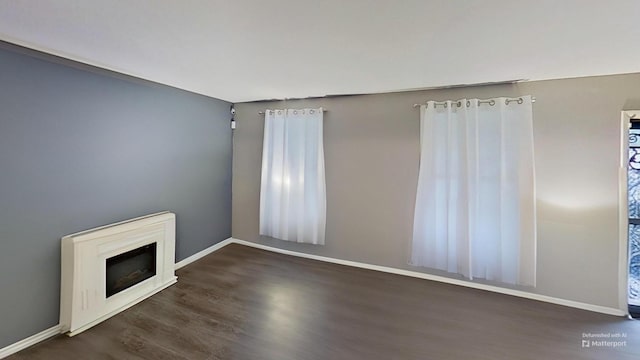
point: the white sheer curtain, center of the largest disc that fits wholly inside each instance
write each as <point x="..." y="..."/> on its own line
<point x="293" y="190"/>
<point x="475" y="205"/>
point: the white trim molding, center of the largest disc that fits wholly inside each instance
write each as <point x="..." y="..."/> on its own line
<point x="496" y="289"/>
<point x="623" y="209"/>
<point x="31" y="340"/>
<point x="203" y="253"/>
<point x="55" y="330"/>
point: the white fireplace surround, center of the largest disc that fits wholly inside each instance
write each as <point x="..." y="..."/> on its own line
<point x="83" y="300"/>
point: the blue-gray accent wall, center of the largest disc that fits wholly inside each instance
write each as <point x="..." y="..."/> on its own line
<point x="81" y="148"/>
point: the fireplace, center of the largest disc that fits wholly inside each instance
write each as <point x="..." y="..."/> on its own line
<point x="109" y="269"/>
<point x="128" y="269"/>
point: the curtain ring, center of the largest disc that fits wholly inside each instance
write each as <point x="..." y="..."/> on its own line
<point x="492" y="102"/>
<point x="446" y="104"/>
<point x="520" y="101"/>
<point x="459" y="103"/>
<point x="468" y="103"/>
<point x="279" y="112"/>
<point x="295" y="112"/>
<point x="311" y="111"/>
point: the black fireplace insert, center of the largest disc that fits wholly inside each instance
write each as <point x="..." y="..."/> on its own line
<point x="130" y="268"/>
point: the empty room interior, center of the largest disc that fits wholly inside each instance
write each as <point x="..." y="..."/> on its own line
<point x="363" y="179"/>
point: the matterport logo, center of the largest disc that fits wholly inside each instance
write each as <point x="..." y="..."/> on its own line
<point x="604" y="340"/>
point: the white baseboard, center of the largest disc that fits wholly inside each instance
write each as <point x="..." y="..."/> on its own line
<point x="55" y="330"/>
<point x="203" y="253"/>
<point x="496" y="289"/>
<point x="31" y="340"/>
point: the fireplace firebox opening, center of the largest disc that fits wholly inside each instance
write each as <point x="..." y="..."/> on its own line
<point x="130" y="268"/>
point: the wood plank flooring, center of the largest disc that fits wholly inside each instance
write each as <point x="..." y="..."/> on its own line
<point x="245" y="303"/>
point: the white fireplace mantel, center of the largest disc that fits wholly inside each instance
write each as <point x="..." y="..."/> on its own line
<point x="83" y="300"/>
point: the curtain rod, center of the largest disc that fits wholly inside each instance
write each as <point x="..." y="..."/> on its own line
<point x="262" y="112"/>
<point x="490" y="102"/>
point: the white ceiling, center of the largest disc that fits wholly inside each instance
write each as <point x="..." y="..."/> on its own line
<point x="242" y="50"/>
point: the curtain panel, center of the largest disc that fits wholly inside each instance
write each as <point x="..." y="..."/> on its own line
<point x="475" y="202"/>
<point x="293" y="189"/>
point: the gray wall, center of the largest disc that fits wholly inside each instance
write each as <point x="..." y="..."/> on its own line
<point x="82" y="149"/>
<point x="371" y="158"/>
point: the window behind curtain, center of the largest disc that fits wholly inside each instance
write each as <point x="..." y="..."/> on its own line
<point x="475" y="203"/>
<point x="293" y="190"/>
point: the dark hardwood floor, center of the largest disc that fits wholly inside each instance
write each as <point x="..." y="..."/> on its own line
<point x="244" y="303"/>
